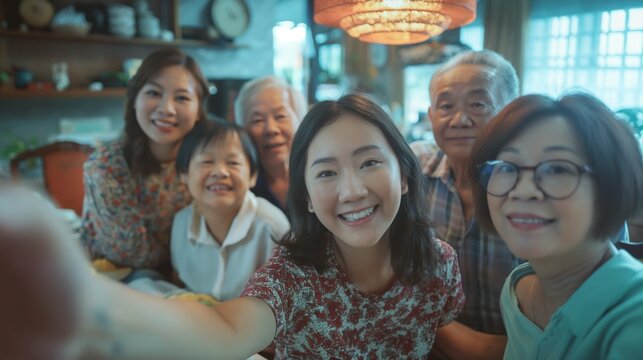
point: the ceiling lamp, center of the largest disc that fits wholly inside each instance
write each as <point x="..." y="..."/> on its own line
<point x="394" y="22"/>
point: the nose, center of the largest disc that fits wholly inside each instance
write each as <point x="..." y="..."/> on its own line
<point x="461" y="119"/>
<point x="351" y="187"/>
<point x="219" y="170"/>
<point x="166" y="106"/>
<point x="526" y="187"/>
<point x="271" y="128"/>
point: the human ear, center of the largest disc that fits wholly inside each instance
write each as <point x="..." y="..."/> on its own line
<point x="183" y="178"/>
<point x="310" y="207"/>
<point x="405" y="186"/>
<point x="253" y="180"/>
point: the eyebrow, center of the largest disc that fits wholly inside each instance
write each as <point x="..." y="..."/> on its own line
<point x="359" y="150"/>
<point x="152" y="82"/>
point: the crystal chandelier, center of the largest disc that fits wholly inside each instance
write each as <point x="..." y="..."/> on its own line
<point x="394" y="22"/>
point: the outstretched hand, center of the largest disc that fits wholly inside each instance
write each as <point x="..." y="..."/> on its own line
<point x="43" y="277"/>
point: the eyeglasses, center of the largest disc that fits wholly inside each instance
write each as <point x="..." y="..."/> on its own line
<point x="557" y="179"/>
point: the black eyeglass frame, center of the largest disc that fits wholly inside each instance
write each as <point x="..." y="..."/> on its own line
<point x="582" y="169"/>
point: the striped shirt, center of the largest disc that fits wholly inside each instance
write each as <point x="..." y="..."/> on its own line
<point x="484" y="259"/>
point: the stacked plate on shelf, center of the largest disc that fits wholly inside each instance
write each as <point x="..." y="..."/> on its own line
<point x="122" y="21"/>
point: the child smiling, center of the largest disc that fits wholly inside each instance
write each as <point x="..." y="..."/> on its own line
<point x="226" y="233"/>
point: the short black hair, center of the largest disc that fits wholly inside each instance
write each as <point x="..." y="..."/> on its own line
<point x="611" y="150"/>
<point x="213" y="129"/>
<point x="413" y="249"/>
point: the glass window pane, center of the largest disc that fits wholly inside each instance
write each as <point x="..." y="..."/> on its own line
<point x="605" y="22"/>
<point x="602" y="44"/>
<point x="564" y="26"/>
<point x="572" y="46"/>
<point x="574" y="25"/>
<point x="633" y="61"/>
<point x="631" y="79"/>
<point x="635" y="21"/>
<point x="554" y="27"/>
<point x="562" y="47"/>
<point x="601" y="61"/>
<point x="613" y="78"/>
<point x="615" y="43"/>
<point x="634" y="43"/>
<point x="617" y="20"/>
<point x="614" y="61"/>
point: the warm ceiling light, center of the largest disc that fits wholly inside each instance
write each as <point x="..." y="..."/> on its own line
<point x="394" y="22"/>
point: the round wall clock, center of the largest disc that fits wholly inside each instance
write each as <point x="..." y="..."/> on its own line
<point x="230" y="18"/>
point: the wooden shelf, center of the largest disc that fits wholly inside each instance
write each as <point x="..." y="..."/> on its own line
<point x="69" y="93"/>
<point x="101" y="39"/>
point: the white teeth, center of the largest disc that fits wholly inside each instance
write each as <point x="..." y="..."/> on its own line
<point x="218" y="188"/>
<point x="161" y="123"/>
<point x="529" y="220"/>
<point x="358" y="215"/>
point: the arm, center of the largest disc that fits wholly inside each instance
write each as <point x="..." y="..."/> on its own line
<point x="457" y="341"/>
<point x="454" y="340"/>
<point x="56" y="309"/>
<point x="131" y="325"/>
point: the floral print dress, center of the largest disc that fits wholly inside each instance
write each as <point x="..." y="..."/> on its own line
<point x="127" y="218"/>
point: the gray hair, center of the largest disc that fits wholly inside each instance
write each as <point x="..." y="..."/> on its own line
<point x="254" y="87"/>
<point x="506" y="78"/>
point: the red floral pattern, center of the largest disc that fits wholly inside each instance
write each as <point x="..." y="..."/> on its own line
<point x="326" y="316"/>
<point x="127" y="219"/>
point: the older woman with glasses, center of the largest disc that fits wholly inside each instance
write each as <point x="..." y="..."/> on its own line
<point x="556" y="179"/>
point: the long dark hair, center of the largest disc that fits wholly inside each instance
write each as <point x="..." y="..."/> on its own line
<point x="137" y="151"/>
<point x="413" y="253"/>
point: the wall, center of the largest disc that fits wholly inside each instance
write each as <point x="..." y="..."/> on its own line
<point x="38" y="118"/>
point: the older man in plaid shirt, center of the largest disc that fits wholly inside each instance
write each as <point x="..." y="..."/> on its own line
<point x="466" y="93"/>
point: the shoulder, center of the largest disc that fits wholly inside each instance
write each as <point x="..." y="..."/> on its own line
<point x="272" y="216"/>
<point x="424" y="148"/>
<point x="446" y="266"/>
<point x="106" y="158"/>
<point x="445" y="252"/>
<point x="184" y="215"/>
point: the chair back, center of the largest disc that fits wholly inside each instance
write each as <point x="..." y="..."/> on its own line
<point x="62" y="171"/>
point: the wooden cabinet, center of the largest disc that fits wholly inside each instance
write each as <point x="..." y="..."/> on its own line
<point x="87" y="56"/>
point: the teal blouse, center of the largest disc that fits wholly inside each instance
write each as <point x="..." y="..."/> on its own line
<point x="603" y="319"/>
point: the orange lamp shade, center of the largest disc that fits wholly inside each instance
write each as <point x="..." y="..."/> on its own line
<point x="394" y="22"/>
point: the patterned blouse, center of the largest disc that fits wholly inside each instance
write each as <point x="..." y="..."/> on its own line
<point x="325" y="316"/>
<point x="127" y="219"/>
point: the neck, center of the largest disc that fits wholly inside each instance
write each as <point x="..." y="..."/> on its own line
<point x="276" y="172"/>
<point x="558" y="279"/>
<point x="368" y="268"/>
<point x="459" y="170"/>
<point x="218" y="222"/>
<point x="164" y="152"/>
<point x="463" y="187"/>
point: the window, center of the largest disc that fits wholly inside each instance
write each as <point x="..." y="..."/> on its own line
<point x="290" y="60"/>
<point x="600" y="51"/>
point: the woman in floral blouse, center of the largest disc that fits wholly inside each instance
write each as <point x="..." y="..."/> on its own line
<point x="131" y="188"/>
